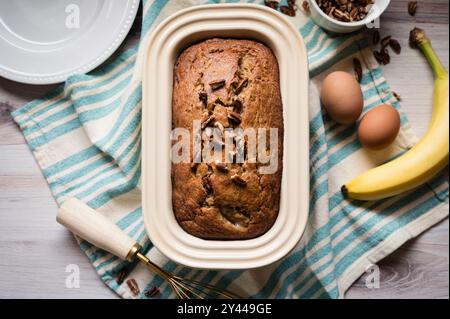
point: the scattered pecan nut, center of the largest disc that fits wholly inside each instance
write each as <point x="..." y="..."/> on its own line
<point x="376" y="37"/>
<point x="305" y="5"/>
<point x="152" y="292"/>
<point x="382" y="56"/>
<point x="133" y="285"/>
<point x="397" y="96"/>
<point x="287" y="10"/>
<point x="121" y="276"/>
<point x="412" y="8"/>
<point x="385" y="57"/>
<point x="271" y="4"/>
<point x="377" y="55"/>
<point x="357" y="67"/>
<point x="395" y="46"/>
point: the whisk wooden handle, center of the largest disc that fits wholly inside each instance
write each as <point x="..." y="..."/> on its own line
<point x="96" y="228"/>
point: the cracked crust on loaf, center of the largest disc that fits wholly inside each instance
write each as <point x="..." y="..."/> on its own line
<point x="213" y="79"/>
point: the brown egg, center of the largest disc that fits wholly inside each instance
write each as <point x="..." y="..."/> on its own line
<point x="379" y="127"/>
<point x="342" y="97"/>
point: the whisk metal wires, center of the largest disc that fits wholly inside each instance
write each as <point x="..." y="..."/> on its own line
<point x="183" y="288"/>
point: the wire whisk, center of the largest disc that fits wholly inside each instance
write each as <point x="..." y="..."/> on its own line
<point x="185" y="288"/>
<point x="103" y="233"/>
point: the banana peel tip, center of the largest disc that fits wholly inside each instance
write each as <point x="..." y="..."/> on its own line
<point x="344" y="191"/>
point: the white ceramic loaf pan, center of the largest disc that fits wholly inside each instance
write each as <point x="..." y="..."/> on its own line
<point x="158" y="55"/>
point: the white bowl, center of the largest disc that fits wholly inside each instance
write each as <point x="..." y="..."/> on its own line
<point x="158" y="56"/>
<point x="330" y="24"/>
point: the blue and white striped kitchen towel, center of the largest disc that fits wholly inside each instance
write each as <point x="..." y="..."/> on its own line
<point x="86" y="137"/>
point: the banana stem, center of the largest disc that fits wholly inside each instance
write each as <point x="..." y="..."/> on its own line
<point x="419" y="39"/>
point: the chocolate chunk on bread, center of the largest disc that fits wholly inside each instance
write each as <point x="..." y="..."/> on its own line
<point x="226" y="83"/>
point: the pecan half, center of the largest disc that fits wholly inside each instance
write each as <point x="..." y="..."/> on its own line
<point x="305" y="5"/>
<point x="238" y="180"/>
<point x="207" y="185"/>
<point x="287" y="10"/>
<point x="385" y="57"/>
<point x="353" y="14"/>
<point x="358" y="69"/>
<point x="342" y="16"/>
<point x="397" y="96"/>
<point x="133" y="285"/>
<point x="219" y="101"/>
<point x="215" y="85"/>
<point x="377" y="55"/>
<point x="271" y="4"/>
<point x="152" y="292"/>
<point x="222" y="167"/>
<point x="203" y="96"/>
<point x="395" y="46"/>
<point x="121" y="276"/>
<point x="237" y="105"/>
<point x="235" y="118"/>
<point x="412" y="8"/>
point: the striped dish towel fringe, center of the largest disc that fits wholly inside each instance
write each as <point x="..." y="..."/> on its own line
<point x="86" y="138"/>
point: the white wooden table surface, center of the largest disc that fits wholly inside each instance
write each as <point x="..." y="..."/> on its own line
<point x="35" y="250"/>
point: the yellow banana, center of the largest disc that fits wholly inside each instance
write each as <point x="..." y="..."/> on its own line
<point x="424" y="160"/>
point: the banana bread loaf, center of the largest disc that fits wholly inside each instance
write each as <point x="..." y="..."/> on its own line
<point x="226" y="83"/>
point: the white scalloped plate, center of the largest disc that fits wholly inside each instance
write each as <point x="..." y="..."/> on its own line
<point x="41" y="42"/>
<point x="158" y="56"/>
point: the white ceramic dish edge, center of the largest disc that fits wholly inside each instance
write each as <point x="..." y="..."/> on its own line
<point x="30" y="77"/>
<point x="161" y="49"/>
